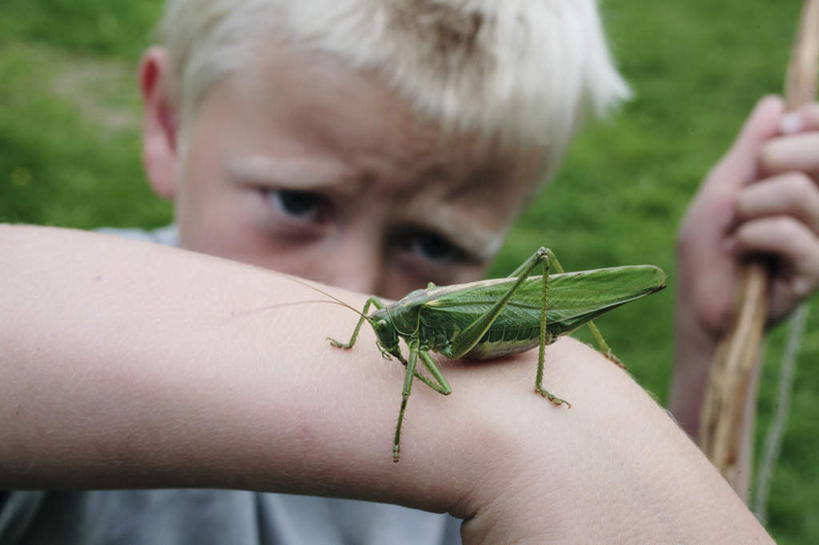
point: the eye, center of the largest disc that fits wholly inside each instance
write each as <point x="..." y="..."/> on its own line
<point x="431" y="247"/>
<point x="301" y="205"/>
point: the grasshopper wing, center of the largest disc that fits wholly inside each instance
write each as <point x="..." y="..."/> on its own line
<point x="577" y="297"/>
<point x="573" y="299"/>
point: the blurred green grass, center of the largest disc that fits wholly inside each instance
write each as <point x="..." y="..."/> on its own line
<point x="69" y="156"/>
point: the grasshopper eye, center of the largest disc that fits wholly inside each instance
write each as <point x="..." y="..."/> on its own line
<point x="387" y="336"/>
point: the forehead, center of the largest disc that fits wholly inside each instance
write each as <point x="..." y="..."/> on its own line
<point x="330" y="102"/>
<point x="320" y="116"/>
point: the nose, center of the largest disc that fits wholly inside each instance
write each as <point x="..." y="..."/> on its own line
<point x="355" y="264"/>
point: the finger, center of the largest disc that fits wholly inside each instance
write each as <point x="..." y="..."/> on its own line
<point x="762" y="125"/>
<point x="788" y="153"/>
<point x="804" y="118"/>
<point x="793" y="194"/>
<point x="789" y="240"/>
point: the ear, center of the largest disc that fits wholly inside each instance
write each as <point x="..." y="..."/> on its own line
<point x="160" y="124"/>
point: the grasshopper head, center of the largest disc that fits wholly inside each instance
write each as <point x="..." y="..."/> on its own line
<point x="385" y="331"/>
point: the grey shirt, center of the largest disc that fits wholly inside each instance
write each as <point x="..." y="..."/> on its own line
<point x="205" y="517"/>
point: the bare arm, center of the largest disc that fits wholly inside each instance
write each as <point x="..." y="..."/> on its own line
<point x="127" y="364"/>
<point x="762" y="198"/>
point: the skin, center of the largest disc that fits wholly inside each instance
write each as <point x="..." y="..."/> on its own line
<point x="760" y="199"/>
<point x="168" y="377"/>
<point x="342" y="140"/>
<point x="386" y="203"/>
<point x="348" y="127"/>
<point x="433" y="212"/>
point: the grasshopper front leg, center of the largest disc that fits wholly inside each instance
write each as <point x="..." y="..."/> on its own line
<point x="405" y="393"/>
<point x="437" y="383"/>
<point x="372" y="301"/>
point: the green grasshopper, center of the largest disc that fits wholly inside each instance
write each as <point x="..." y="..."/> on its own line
<point x="493" y="318"/>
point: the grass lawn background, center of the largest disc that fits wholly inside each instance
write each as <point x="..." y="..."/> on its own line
<point x="69" y="156"/>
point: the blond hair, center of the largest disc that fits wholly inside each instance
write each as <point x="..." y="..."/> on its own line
<point x="526" y="70"/>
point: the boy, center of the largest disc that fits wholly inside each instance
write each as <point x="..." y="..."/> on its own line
<point x="360" y="144"/>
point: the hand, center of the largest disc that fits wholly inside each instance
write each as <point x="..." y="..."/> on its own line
<point x="761" y="199"/>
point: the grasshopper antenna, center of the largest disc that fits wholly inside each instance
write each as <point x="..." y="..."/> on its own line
<point x="335" y="299"/>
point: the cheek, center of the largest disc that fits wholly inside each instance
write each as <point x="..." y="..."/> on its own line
<point x="224" y="233"/>
<point x="218" y="217"/>
<point x="215" y="218"/>
<point x="468" y="274"/>
<point x="396" y="287"/>
<point x="398" y="284"/>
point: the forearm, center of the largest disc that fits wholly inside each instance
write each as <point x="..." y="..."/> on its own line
<point x="760" y="200"/>
<point x="694" y="353"/>
<point x="128" y="364"/>
<point x="694" y="350"/>
<point x="621" y="470"/>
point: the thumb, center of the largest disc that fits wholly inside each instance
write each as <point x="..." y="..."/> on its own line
<point x="742" y="160"/>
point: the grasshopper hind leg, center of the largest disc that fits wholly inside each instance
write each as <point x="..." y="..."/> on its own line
<point x="598" y="337"/>
<point x="545" y="256"/>
<point x="468" y="337"/>
<point x="603" y="345"/>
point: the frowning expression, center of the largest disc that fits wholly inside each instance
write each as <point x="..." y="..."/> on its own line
<point x="304" y="165"/>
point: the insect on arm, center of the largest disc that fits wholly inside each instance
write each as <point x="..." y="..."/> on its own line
<point x="492" y="318"/>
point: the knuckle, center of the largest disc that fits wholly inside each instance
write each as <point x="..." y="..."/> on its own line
<point x="746" y="233"/>
<point x="747" y="201"/>
<point x="769" y="230"/>
<point x="769" y="156"/>
<point x="799" y="185"/>
<point x="789" y="227"/>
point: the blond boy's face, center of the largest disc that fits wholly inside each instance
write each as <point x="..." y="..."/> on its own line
<point x="307" y="167"/>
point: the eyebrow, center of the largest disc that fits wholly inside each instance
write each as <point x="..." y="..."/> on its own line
<point x="481" y="242"/>
<point x="295" y="173"/>
<point x="316" y="174"/>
